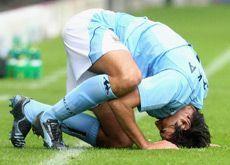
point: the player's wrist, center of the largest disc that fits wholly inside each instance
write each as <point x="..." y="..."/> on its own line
<point x="144" y="145"/>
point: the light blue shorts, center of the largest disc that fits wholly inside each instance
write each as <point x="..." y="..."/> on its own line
<point x="85" y="42"/>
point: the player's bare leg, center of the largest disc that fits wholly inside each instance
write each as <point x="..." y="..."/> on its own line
<point x="120" y="75"/>
<point x="123" y="72"/>
<point x="110" y="134"/>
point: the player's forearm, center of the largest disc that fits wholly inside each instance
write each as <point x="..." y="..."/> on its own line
<point x="125" y="117"/>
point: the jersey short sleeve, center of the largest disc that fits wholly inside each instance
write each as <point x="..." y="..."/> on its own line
<point x="102" y="41"/>
<point x="164" y="94"/>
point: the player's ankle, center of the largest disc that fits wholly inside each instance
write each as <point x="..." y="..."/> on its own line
<point x="47" y="115"/>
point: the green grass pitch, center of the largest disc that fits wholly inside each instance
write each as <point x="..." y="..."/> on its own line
<point x="207" y="28"/>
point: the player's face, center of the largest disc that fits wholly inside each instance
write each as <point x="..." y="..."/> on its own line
<point x="182" y="119"/>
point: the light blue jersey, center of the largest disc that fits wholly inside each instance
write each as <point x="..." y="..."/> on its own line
<point x="172" y="73"/>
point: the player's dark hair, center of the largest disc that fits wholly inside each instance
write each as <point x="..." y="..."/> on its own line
<point x="197" y="136"/>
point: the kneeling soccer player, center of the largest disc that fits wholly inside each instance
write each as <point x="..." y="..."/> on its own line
<point x="120" y="62"/>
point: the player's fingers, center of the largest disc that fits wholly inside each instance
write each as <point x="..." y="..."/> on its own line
<point x="214" y="145"/>
<point x="167" y="145"/>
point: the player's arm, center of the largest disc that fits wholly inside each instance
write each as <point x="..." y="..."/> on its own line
<point x="123" y="111"/>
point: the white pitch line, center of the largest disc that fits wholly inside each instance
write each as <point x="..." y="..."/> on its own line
<point x="38" y="84"/>
<point x="48" y="80"/>
<point x="4" y="97"/>
<point x="218" y="63"/>
<point x="62" y="157"/>
<point x="212" y="68"/>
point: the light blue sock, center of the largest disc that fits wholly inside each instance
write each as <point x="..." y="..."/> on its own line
<point x="82" y="126"/>
<point x="33" y="108"/>
<point x="87" y="95"/>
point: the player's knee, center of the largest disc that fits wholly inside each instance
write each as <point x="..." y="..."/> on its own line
<point x="131" y="79"/>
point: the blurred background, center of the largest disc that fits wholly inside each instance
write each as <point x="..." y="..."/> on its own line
<point x="34" y="20"/>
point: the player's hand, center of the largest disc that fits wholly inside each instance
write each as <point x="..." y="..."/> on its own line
<point x="163" y="144"/>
